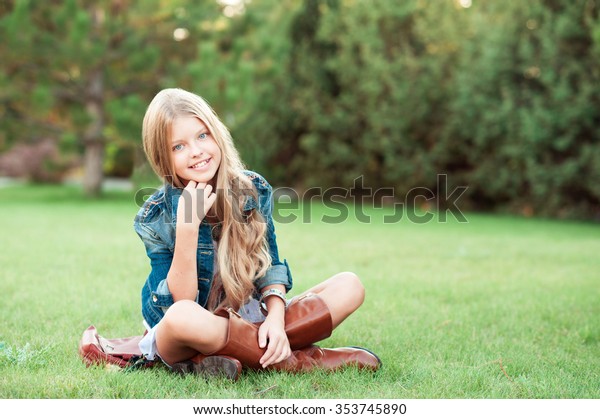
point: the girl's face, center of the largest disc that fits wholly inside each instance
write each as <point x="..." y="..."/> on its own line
<point x="195" y="152"/>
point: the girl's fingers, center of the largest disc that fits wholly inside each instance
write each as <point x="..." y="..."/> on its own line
<point x="268" y="361"/>
<point x="285" y="353"/>
<point x="262" y="337"/>
<point x="208" y="193"/>
<point x="281" y="351"/>
<point x="280" y="358"/>
<point x="211" y="200"/>
<point x="265" y="359"/>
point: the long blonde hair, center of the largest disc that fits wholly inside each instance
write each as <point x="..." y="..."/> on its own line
<point x="242" y="253"/>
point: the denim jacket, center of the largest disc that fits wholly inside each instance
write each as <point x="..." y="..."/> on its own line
<point x="155" y="224"/>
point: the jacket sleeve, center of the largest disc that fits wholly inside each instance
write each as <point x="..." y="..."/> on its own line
<point x="279" y="271"/>
<point x="161" y="257"/>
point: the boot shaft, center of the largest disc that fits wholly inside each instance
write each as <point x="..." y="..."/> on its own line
<point x="242" y="344"/>
<point x="307" y="321"/>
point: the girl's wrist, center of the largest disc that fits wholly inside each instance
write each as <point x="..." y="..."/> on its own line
<point x="188" y="226"/>
<point x="276" y="317"/>
<point x="275" y="309"/>
<point x="275" y="304"/>
<point x="273" y="299"/>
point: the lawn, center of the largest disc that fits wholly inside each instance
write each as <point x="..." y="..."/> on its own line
<point x="498" y="307"/>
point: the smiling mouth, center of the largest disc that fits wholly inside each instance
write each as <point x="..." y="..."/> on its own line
<point x="200" y="164"/>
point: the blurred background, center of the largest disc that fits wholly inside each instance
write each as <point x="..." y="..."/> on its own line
<point x="502" y="96"/>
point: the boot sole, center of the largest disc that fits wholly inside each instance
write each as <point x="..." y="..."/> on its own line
<point x="212" y="366"/>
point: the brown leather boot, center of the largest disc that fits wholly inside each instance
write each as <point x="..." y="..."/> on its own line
<point x="307" y="320"/>
<point x="242" y="344"/>
<point x="310" y="357"/>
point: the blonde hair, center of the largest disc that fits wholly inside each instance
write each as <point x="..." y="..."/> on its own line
<point x="242" y="253"/>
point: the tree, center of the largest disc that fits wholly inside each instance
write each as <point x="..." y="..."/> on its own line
<point x="85" y="70"/>
<point x="526" y="107"/>
<point x="501" y="96"/>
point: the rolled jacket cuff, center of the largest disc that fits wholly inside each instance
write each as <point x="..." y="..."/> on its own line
<point x="276" y="275"/>
<point x="162" y="297"/>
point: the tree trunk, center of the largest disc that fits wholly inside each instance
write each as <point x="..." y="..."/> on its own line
<point x="93" y="137"/>
<point x="93" y="169"/>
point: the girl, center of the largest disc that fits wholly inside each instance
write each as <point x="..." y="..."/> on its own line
<point x="215" y="299"/>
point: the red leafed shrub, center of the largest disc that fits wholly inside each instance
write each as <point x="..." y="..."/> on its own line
<point x="40" y="162"/>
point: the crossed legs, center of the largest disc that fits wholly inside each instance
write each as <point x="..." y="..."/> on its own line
<point x="187" y="328"/>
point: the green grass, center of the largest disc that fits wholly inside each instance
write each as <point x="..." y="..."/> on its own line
<point x="500" y="307"/>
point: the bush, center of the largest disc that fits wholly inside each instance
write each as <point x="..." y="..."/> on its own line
<point x="40" y="162"/>
<point x="501" y="96"/>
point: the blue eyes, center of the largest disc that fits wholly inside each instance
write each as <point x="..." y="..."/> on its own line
<point x="180" y="147"/>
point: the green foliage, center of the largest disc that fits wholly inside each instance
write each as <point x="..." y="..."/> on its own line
<point x="82" y="70"/>
<point x="501" y="96"/>
<point x="528" y="80"/>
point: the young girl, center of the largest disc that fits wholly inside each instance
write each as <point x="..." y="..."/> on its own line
<point x="215" y="299"/>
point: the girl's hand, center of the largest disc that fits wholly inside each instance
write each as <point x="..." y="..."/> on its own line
<point x="194" y="203"/>
<point x="272" y="331"/>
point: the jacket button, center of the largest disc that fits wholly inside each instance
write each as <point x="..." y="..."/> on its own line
<point x="154" y="298"/>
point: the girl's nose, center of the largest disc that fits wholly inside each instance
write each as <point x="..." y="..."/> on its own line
<point x="195" y="148"/>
